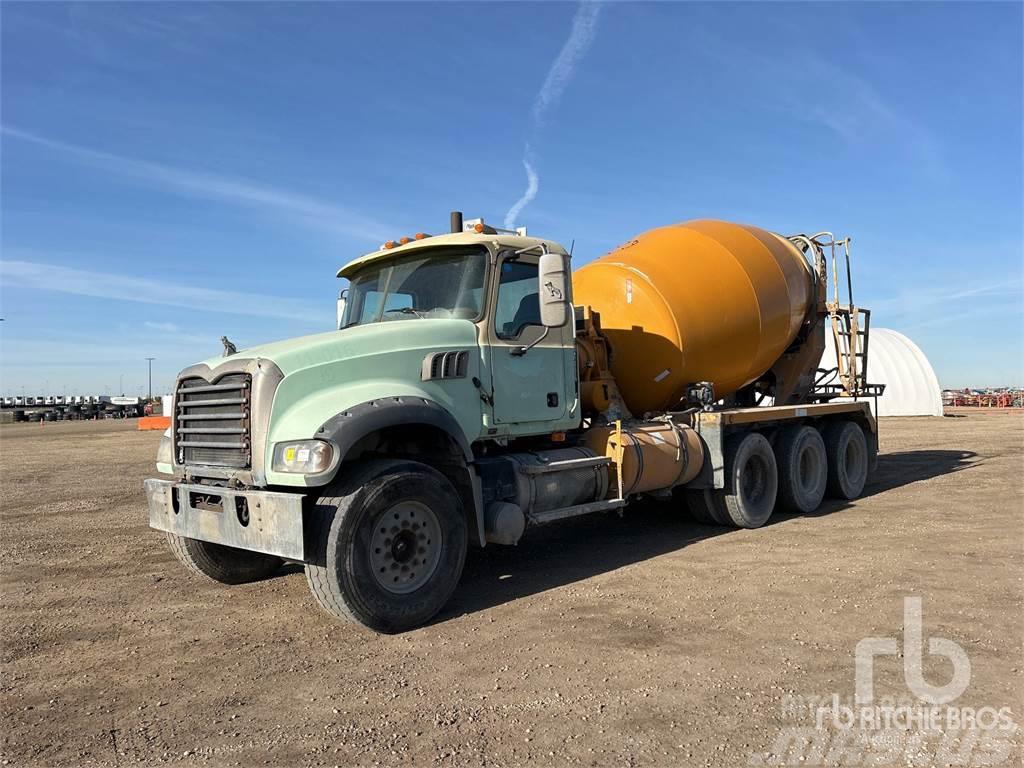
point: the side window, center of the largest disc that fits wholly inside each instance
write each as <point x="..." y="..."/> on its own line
<point x="518" y="306"/>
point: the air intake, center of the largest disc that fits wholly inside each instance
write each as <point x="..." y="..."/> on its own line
<point x="445" y="365"/>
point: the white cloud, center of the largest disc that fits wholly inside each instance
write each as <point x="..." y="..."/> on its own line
<point x="37" y="276"/>
<point x="803" y="85"/>
<point x="163" y="327"/>
<point x="210" y="186"/>
<point x="584" y="27"/>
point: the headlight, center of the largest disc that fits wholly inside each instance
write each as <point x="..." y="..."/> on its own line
<point x="305" y="457"/>
<point x="165" y="453"/>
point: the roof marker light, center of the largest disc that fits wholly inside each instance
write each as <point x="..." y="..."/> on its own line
<point x="405" y="240"/>
<point x="422" y="236"/>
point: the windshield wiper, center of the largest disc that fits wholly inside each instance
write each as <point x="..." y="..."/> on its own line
<point x="407" y="311"/>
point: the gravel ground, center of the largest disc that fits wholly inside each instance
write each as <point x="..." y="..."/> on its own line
<point x="646" y="640"/>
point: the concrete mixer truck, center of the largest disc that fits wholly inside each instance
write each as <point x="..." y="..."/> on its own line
<point x="473" y="390"/>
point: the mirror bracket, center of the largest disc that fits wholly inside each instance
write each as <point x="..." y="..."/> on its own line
<point x="520" y="351"/>
<point x="342" y="301"/>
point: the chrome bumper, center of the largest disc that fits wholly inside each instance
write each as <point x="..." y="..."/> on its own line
<point x="259" y="521"/>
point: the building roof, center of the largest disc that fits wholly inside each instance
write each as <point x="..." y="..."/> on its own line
<point x="911" y="386"/>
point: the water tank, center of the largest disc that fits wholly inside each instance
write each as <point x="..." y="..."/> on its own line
<point x="699" y="301"/>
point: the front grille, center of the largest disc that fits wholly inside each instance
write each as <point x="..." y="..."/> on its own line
<point x="211" y="421"/>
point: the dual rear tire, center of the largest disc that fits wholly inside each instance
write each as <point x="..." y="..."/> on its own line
<point x="794" y="476"/>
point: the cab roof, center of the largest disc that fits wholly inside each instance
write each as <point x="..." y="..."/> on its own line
<point x="498" y="241"/>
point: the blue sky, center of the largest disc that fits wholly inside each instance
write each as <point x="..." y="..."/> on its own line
<point x="175" y="172"/>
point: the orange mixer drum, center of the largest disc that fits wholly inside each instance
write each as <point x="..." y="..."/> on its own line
<point x="700" y="301"/>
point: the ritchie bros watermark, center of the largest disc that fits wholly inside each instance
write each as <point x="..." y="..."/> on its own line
<point x="922" y="727"/>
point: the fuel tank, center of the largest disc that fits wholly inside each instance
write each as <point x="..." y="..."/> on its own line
<point x="699" y="301"/>
<point x="655" y="455"/>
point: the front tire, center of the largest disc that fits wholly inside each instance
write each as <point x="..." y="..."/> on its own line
<point x="226" y="565"/>
<point x="391" y="541"/>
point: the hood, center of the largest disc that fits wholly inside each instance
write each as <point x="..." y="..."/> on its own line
<point x="296" y="354"/>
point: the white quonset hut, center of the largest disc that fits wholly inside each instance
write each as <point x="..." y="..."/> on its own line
<point x="911" y="387"/>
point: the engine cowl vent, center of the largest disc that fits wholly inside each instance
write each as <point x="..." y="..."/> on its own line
<point x="445" y="365"/>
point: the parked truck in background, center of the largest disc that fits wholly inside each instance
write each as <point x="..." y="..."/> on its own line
<point x="474" y="389"/>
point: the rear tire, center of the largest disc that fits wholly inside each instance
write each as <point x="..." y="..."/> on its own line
<point x="848" y="459"/>
<point x="697" y="507"/>
<point x="803" y="469"/>
<point x="751" y="482"/>
<point x="391" y="539"/>
<point x="222" y="564"/>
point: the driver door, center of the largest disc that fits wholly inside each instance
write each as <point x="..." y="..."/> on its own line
<point x="530" y="387"/>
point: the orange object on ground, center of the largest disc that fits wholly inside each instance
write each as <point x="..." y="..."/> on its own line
<point x="154" y="422"/>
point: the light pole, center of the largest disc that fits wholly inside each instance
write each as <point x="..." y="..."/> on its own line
<point x="150" y="359"/>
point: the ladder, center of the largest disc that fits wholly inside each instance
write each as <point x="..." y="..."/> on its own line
<point x="851" y="324"/>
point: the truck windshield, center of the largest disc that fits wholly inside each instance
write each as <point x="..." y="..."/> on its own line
<point x="436" y="283"/>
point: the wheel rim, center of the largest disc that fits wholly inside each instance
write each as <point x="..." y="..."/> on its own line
<point x="405" y="548"/>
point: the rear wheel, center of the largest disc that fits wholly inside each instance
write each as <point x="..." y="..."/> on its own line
<point x="848" y="459"/>
<point x="226" y="565"/>
<point x="803" y="468"/>
<point x="697" y="506"/>
<point x="702" y="506"/>
<point x="751" y="482"/>
<point x="391" y="539"/>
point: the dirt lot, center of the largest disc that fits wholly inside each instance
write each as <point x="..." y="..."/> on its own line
<point x="646" y="640"/>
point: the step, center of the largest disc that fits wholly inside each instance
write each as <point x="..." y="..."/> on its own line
<point x="567" y="464"/>
<point x="550" y="516"/>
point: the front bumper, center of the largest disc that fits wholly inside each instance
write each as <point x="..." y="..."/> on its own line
<point x="259" y="521"/>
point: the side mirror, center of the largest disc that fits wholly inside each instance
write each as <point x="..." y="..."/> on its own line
<point x="553" y="290"/>
<point x="342" y="298"/>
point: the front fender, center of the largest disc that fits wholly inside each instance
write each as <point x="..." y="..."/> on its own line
<point x="346" y="428"/>
<point x="344" y="414"/>
<point x="353" y="424"/>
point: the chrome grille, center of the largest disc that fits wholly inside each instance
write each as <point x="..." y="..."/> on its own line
<point x="211" y="421"/>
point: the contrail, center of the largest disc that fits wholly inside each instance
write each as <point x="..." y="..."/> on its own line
<point x="584" y="27"/>
<point x="532" y="185"/>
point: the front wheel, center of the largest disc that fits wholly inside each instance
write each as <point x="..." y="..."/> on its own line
<point x="217" y="562"/>
<point x="391" y="539"/>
